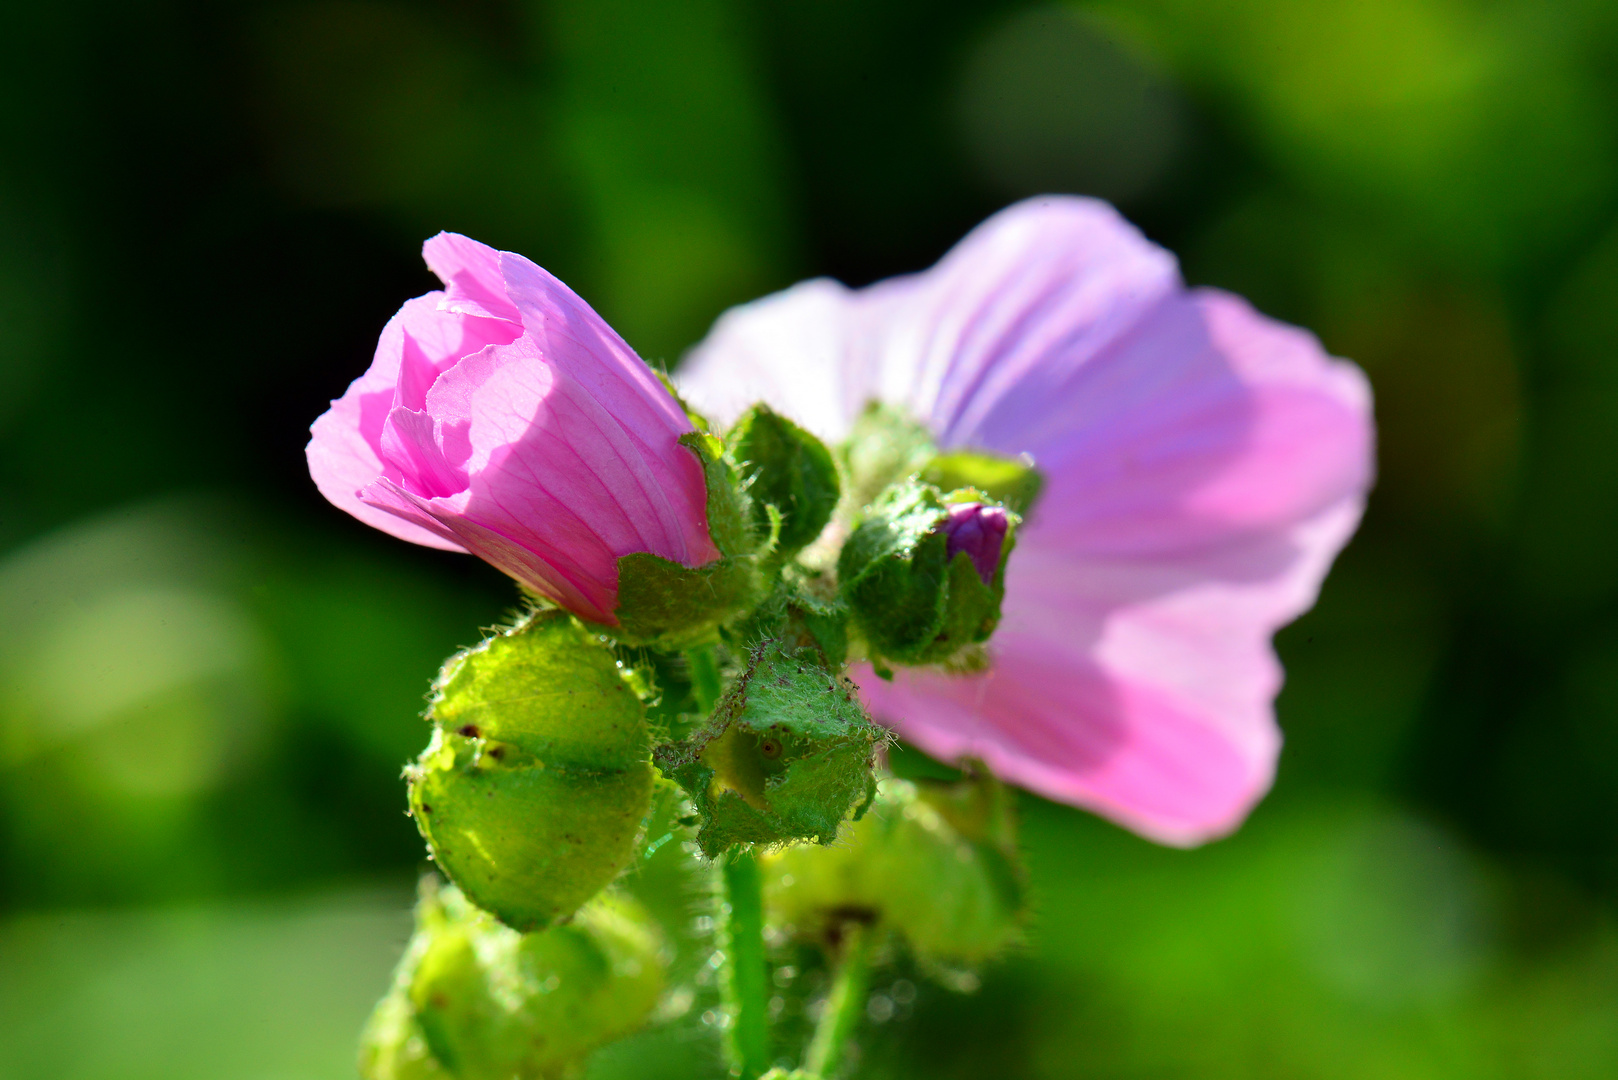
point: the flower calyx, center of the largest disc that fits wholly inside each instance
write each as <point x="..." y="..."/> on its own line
<point x="923" y="573"/>
<point x="664" y="604"/>
<point x="787" y="754"/>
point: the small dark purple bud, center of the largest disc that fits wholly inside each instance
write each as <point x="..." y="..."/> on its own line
<point x="978" y="530"/>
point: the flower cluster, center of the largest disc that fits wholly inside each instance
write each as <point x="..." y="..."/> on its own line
<point x="1038" y="510"/>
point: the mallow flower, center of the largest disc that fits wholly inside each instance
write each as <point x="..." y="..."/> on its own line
<point x="1202" y="467"/>
<point x="503" y="417"/>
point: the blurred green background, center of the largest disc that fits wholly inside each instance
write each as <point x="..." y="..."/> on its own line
<point x="209" y="678"/>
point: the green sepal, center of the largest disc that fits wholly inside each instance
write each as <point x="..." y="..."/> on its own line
<point x="787" y="755"/>
<point x="669" y="606"/>
<point x="698" y="421"/>
<point x="538" y="776"/>
<point x="800" y="614"/>
<point x="730" y="513"/>
<point x="1012" y="482"/>
<point x="884" y="448"/>
<point x="789" y="469"/>
<point x="910" y="602"/>
<point x="475" y="1000"/>
<point x="935" y="862"/>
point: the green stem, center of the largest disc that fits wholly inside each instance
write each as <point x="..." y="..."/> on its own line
<point x="844" y="1006"/>
<point x="744" y="980"/>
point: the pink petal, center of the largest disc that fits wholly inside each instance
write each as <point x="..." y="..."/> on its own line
<point x="344" y="451"/>
<point x="469" y="271"/>
<point x="1180" y="436"/>
<point x="557" y="489"/>
<point x="791" y="350"/>
<point x="1142" y="692"/>
<point x="1204" y="465"/>
<point x="1031" y="295"/>
<point x="568" y="584"/>
<point x="579" y="343"/>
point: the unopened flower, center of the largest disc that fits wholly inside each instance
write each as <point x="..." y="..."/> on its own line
<point x="980" y="531"/>
<point x="502" y="416"/>
<point x="1202" y="466"/>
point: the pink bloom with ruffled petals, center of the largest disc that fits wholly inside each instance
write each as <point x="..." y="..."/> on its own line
<point x="503" y="417"/>
<point x="1203" y="466"/>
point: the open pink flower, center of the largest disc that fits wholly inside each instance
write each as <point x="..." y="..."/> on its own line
<point x="1203" y="465"/>
<point x="503" y="417"/>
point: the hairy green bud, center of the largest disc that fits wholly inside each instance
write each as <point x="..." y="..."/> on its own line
<point x="937" y="863"/>
<point x="790" y="470"/>
<point x="538" y="775"/>
<point x="787" y="755"/>
<point x="922" y="579"/>
<point x="476" y="1000"/>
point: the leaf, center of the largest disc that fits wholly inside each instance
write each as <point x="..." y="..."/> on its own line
<point x="1012" y="482"/>
<point x="789" y="469"/>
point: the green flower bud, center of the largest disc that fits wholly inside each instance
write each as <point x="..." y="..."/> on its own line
<point x="791" y="470"/>
<point x="936" y="863"/>
<point x="475" y="1000"/>
<point x="787" y="755"/>
<point x="924" y="573"/>
<point x="538" y="775"/>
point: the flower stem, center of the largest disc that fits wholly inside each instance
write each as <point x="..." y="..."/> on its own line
<point x="744" y="980"/>
<point x="844" y="1005"/>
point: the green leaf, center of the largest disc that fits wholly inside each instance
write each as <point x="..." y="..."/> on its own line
<point x="664" y="604"/>
<point x="538" y="775"/>
<point x="885" y="447"/>
<point x="786" y="756"/>
<point x="790" y="470"/>
<point x="1012" y="482"/>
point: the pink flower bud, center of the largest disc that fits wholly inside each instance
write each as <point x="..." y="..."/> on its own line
<point x="978" y="530"/>
<point x="503" y="417"/>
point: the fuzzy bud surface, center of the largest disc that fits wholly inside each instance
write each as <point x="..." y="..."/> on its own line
<point x="538" y="775"/>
